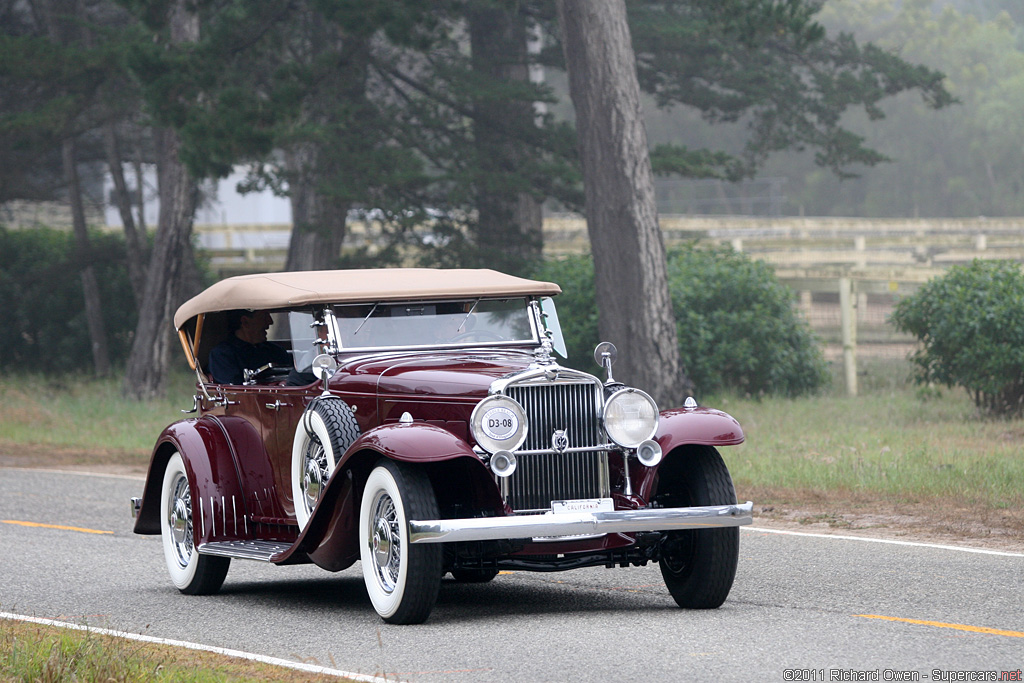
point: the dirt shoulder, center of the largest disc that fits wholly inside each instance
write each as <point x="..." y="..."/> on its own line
<point x="853" y="515"/>
<point x="100" y="461"/>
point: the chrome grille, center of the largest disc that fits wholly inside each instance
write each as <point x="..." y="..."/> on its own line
<point x="549" y="407"/>
<point x="542" y="477"/>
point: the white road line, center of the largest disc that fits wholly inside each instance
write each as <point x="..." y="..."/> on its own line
<point x="963" y="549"/>
<point x="274" y="661"/>
<point x="79" y="473"/>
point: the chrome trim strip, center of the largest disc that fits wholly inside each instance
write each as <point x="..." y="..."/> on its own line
<point x="576" y="449"/>
<point x="413" y="351"/>
<point x="580" y="523"/>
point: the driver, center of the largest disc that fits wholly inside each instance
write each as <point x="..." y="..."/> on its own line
<point x="246" y="347"/>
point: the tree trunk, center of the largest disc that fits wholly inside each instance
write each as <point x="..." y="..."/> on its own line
<point x="509" y="222"/>
<point x="629" y="256"/>
<point x="318" y="217"/>
<point x="133" y="247"/>
<point x="90" y="289"/>
<point x="146" y="373"/>
<point x="318" y="224"/>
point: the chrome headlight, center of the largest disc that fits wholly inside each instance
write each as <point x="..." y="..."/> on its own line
<point x="498" y="424"/>
<point x="630" y="417"/>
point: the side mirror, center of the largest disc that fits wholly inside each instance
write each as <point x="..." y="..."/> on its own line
<point x="324" y="366"/>
<point x="605" y="355"/>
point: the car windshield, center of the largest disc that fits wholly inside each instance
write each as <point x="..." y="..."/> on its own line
<point x="431" y="324"/>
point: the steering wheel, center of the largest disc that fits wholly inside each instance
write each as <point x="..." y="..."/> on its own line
<point x="266" y="373"/>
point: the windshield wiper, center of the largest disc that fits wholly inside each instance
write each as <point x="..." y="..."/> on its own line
<point x="463" y="323"/>
<point x="365" y="319"/>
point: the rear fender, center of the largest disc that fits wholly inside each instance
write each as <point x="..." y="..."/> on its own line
<point x="681" y="427"/>
<point x="207" y="447"/>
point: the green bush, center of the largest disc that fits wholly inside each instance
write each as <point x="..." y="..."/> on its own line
<point x="41" y="303"/>
<point x="738" y="329"/>
<point x="970" y="322"/>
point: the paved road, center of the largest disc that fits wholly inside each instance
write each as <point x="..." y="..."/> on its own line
<point x="795" y="605"/>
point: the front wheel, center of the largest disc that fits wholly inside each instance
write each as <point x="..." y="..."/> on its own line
<point x="191" y="573"/>
<point x="699" y="565"/>
<point x="402" y="580"/>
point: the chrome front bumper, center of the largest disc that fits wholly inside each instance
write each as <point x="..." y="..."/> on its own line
<point x="579" y="523"/>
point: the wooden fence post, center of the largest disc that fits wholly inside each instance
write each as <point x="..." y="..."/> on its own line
<point x="848" y="324"/>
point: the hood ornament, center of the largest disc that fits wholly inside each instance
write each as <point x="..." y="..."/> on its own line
<point x="542" y="355"/>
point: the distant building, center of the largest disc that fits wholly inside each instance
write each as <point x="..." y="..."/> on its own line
<point x="221" y="205"/>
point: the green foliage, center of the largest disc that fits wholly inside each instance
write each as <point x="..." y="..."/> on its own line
<point x="738" y="328"/>
<point x="970" y="322"/>
<point x="42" y="305"/>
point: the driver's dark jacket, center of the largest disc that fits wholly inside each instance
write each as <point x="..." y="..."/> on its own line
<point x="231" y="356"/>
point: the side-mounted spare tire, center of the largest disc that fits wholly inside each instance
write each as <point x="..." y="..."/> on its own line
<point x="698" y="565"/>
<point x="324" y="433"/>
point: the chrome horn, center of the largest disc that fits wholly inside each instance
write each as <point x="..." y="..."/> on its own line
<point x="649" y="453"/>
<point x="503" y="463"/>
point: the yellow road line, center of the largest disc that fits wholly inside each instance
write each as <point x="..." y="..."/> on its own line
<point x="55" y="526"/>
<point x="939" y="624"/>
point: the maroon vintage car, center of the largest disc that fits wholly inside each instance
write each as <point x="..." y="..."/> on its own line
<point x="424" y="427"/>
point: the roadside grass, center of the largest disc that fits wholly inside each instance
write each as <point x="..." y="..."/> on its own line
<point x="89" y="415"/>
<point x="893" y="443"/>
<point x="48" y="654"/>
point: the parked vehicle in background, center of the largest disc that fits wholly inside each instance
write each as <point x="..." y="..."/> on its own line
<point x="425" y="427"/>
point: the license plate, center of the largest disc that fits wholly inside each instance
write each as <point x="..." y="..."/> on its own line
<point x="561" y="507"/>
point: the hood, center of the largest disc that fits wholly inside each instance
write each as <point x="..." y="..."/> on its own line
<point x="462" y="374"/>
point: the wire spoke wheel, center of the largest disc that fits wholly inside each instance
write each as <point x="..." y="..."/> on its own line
<point x="401" y="579"/>
<point x="191" y="572"/>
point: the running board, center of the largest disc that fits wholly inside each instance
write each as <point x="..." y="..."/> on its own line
<point x="264" y="551"/>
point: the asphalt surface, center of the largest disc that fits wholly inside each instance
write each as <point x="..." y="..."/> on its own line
<point x="802" y="607"/>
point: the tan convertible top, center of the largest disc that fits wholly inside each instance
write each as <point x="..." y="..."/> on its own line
<point x="299" y="288"/>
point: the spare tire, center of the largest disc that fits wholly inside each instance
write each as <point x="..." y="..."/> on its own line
<point x="324" y="433"/>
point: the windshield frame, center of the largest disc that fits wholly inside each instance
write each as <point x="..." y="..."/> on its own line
<point x="335" y="335"/>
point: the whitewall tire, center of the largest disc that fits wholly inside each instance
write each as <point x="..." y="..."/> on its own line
<point x="191" y="573"/>
<point x="402" y="580"/>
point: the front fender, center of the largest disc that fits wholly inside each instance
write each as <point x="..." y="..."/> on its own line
<point x="701" y="426"/>
<point x="207" y="448"/>
<point x="682" y="427"/>
<point x="331" y="536"/>
<point x="413" y="442"/>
